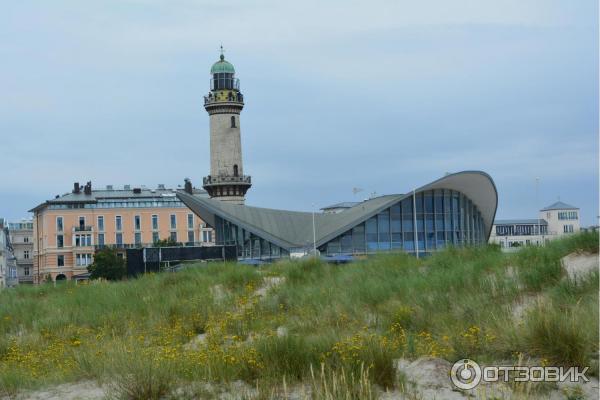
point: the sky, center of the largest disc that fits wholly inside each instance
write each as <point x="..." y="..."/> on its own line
<point x="384" y="96"/>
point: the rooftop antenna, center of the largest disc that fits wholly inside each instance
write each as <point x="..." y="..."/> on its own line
<point x="222" y="52"/>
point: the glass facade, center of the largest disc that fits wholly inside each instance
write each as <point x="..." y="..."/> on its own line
<point x="248" y="244"/>
<point x="443" y="217"/>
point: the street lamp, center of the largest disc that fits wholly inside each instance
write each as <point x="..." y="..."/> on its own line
<point x="537" y="201"/>
<point x="314" y="231"/>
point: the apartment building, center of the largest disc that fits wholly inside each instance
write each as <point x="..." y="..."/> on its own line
<point x="3" y="255"/>
<point x="21" y="239"/>
<point x="69" y="229"/>
<point x="554" y="221"/>
<point x="8" y="269"/>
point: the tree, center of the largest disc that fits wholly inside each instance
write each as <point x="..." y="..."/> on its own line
<point x="108" y="265"/>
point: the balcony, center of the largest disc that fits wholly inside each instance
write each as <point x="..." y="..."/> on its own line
<point x="83" y="228"/>
<point x="226" y="180"/>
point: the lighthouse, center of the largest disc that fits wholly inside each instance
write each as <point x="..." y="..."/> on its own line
<point x="224" y="103"/>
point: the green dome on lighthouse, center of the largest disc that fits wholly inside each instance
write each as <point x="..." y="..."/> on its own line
<point x="222" y="66"/>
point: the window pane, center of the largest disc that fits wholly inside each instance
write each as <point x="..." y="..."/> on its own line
<point x="407" y="206"/>
<point x="419" y="202"/>
<point x="439" y="201"/>
<point x="346" y="243"/>
<point x="371" y="227"/>
<point x="358" y="238"/>
<point x="428" y="202"/>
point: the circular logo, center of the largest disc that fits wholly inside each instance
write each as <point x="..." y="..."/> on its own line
<point x="465" y="374"/>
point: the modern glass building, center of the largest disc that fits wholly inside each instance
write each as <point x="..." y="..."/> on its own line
<point x="457" y="210"/>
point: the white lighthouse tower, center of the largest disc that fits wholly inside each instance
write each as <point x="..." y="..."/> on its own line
<point x="224" y="103"/>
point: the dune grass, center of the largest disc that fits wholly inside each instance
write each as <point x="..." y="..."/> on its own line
<point x="350" y="320"/>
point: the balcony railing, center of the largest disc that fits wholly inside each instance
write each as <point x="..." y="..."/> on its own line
<point x="219" y="180"/>
<point x="82" y="228"/>
<point x="234" y="97"/>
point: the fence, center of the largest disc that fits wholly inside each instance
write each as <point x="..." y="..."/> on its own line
<point x="148" y="259"/>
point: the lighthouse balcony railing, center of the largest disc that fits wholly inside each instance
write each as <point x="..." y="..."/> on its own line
<point x="217" y="180"/>
<point x="235" y="97"/>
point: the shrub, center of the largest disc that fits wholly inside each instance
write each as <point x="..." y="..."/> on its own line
<point x="140" y="377"/>
<point x="564" y="336"/>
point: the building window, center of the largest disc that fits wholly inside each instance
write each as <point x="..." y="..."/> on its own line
<point x="235" y="170"/>
<point x="173" y="221"/>
<point x="60" y="242"/>
<point x="233" y="121"/>
<point x="207" y="236"/>
<point x="155" y="237"/>
<point x="119" y="239"/>
<point x="100" y="223"/>
<point x="26" y="239"/>
<point x="190" y="236"/>
<point x="173" y="236"/>
<point x="137" y="222"/>
<point x="26" y="271"/>
<point x="567" y="215"/>
<point x="81" y="222"/>
<point x="83" y="260"/>
<point x="190" y="218"/>
<point x="59" y="224"/>
<point x="118" y="223"/>
<point x="60" y="260"/>
<point x="567" y="228"/>
<point x="26" y="254"/>
<point x="155" y="222"/>
<point x="138" y="238"/>
<point x="83" y="240"/>
<point x="101" y="239"/>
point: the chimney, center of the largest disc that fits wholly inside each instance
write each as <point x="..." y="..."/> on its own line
<point x="188" y="186"/>
<point x="87" y="189"/>
<point x="76" y="188"/>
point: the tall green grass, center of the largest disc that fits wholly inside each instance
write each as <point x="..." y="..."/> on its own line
<point x="353" y="319"/>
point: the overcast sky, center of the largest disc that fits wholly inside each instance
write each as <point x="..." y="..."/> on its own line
<point x="379" y="95"/>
